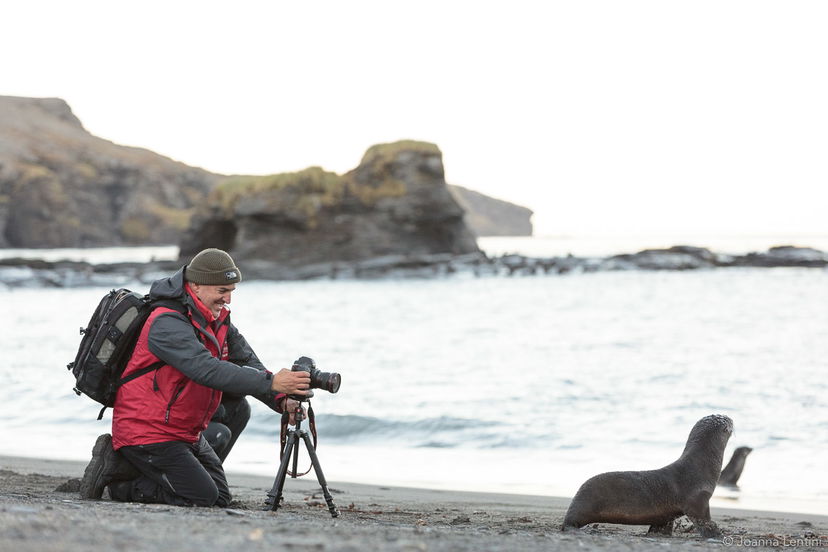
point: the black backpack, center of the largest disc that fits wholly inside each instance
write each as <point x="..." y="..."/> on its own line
<point x="108" y="341"/>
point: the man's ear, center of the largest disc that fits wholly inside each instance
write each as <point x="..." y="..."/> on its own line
<point x="195" y="287"/>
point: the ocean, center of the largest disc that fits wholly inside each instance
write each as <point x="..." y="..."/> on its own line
<point x="525" y="384"/>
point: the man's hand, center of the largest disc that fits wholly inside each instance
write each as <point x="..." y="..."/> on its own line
<point x="290" y="382"/>
<point x="291" y="406"/>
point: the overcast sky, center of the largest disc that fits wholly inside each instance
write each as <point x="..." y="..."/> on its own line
<point x="604" y="117"/>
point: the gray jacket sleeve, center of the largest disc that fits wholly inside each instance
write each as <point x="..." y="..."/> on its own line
<point x="172" y="339"/>
<point x="242" y="353"/>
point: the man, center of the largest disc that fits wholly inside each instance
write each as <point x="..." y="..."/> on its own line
<point x="157" y="453"/>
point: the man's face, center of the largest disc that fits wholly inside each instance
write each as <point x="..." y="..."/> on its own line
<point x="213" y="297"/>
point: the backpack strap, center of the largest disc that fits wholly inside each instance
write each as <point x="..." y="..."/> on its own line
<point x="167" y="303"/>
<point x="141" y="372"/>
<point x="132" y="376"/>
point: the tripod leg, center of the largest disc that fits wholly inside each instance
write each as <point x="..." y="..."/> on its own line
<point x="295" y="472"/>
<point x="319" y="476"/>
<point x="274" y="497"/>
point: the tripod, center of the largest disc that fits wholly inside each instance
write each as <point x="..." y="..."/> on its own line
<point x="291" y="452"/>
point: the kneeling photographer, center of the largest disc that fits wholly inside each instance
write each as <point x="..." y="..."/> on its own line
<point x="157" y="452"/>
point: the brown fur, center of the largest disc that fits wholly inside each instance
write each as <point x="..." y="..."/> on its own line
<point x="657" y="497"/>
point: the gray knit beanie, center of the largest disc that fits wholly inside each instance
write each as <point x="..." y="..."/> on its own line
<point x="212" y="267"/>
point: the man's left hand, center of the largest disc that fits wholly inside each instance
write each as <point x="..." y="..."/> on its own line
<point x="291" y="406"/>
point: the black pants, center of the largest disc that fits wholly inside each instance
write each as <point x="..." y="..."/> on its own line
<point x="227" y="424"/>
<point x="174" y="472"/>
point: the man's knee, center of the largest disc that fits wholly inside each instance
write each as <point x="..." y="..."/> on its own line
<point x="237" y="414"/>
<point x="218" y="435"/>
<point x="223" y="501"/>
<point x="210" y="497"/>
<point x="240" y="413"/>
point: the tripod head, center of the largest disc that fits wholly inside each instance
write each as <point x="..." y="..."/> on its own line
<point x="299" y="411"/>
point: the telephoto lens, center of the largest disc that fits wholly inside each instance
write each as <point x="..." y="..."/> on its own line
<point x="329" y="381"/>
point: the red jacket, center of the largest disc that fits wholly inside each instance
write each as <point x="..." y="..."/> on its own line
<point x="167" y="405"/>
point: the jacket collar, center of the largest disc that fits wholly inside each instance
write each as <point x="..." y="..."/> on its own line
<point x="171" y="287"/>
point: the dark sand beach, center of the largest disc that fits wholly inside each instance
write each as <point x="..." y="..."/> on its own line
<point x="35" y="516"/>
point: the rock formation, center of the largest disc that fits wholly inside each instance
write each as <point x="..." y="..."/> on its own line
<point x="60" y="186"/>
<point x="395" y="203"/>
<point x="487" y="216"/>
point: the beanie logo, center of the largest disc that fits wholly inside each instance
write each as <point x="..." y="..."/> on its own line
<point x="231" y="274"/>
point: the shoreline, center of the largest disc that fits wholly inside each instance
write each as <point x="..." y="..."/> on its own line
<point x="23" y="272"/>
<point x="725" y="499"/>
<point x="375" y="517"/>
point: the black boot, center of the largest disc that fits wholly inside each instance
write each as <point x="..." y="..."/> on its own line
<point x="121" y="491"/>
<point x="105" y="467"/>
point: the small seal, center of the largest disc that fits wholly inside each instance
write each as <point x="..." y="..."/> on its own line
<point x="658" y="497"/>
<point x="733" y="471"/>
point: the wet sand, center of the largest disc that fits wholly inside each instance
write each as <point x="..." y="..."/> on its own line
<point x="35" y="516"/>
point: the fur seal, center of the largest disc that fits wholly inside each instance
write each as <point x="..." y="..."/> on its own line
<point x="658" y="497"/>
<point x="731" y="473"/>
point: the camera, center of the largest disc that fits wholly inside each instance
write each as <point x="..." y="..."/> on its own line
<point x="329" y="381"/>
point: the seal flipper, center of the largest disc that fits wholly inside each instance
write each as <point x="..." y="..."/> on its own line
<point x="570" y="525"/>
<point x="663" y="529"/>
<point x="706" y="527"/>
<point x="698" y="511"/>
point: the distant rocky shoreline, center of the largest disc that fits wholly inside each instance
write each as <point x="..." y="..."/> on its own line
<point x="38" y="273"/>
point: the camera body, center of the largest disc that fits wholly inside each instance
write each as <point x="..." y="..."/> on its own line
<point x="329" y="381"/>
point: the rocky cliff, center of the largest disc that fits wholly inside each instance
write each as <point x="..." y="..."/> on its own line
<point x="60" y="186"/>
<point x="487" y="216"/>
<point x="396" y="202"/>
